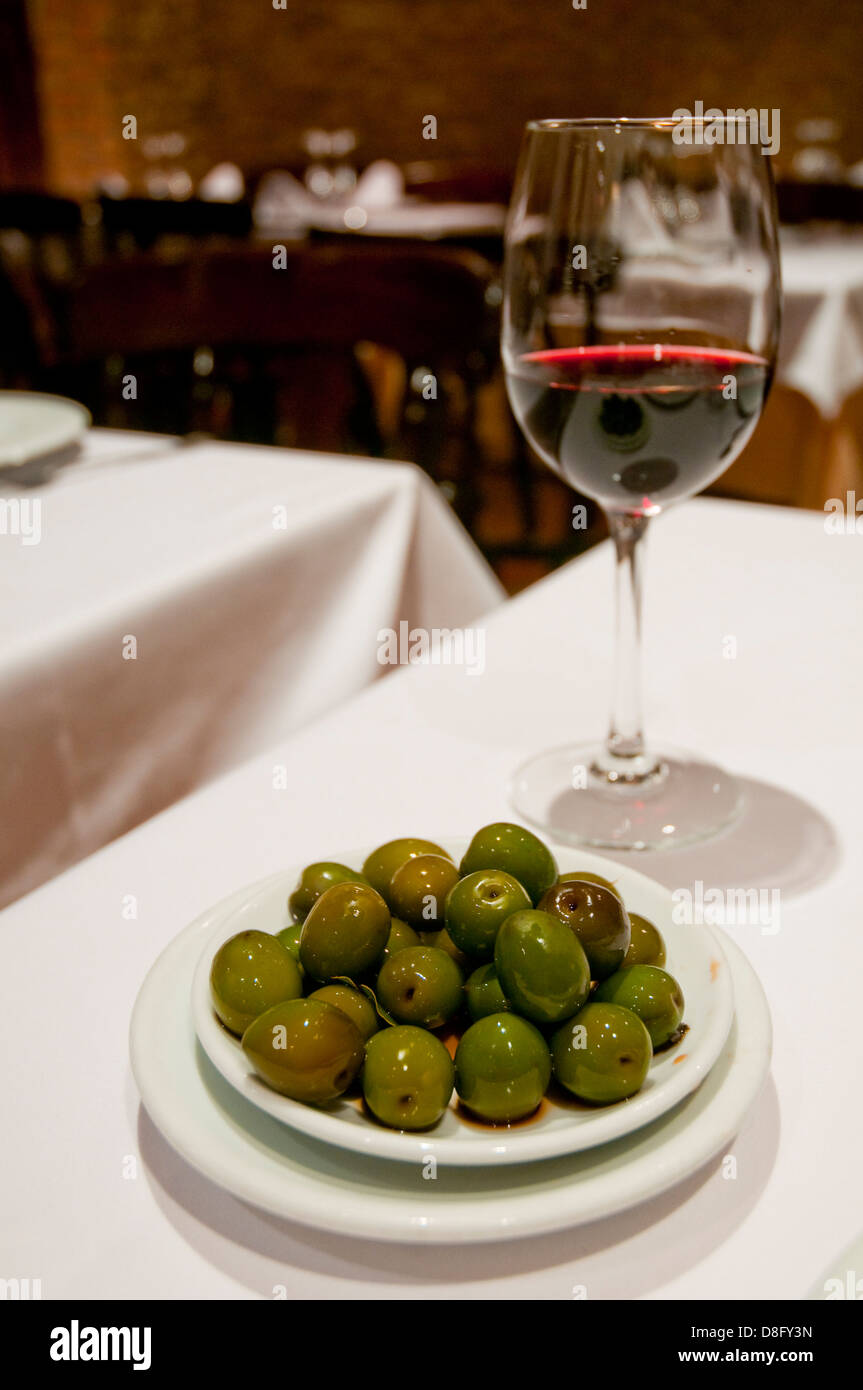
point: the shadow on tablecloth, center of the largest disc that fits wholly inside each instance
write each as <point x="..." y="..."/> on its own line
<point x="780" y="842"/>
<point x="39" y="471"/>
<point x="625" y="1256"/>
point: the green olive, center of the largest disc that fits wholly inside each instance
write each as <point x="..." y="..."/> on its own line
<point x="418" y="890"/>
<point x="315" y="880"/>
<point x="476" y="907"/>
<point x="345" y="932"/>
<point x="249" y="973"/>
<point x="646" y="946"/>
<point x="382" y="863"/>
<point x="541" y="966"/>
<point x="484" y="994"/>
<point x="587" y="877"/>
<point x="651" y="993"/>
<point x="305" y="1049"/>
<point x="421" y="985"/>
<point x="401" y="936"/>
<point x="353" y="1003"/>
<point x="502" y="1068"/>
<point x="598" y="918"/>
<point x="602" y="1054"/>
<point x="442" y="941"/>
<point x="407" y="1077"/>
<point x="515" y="851"/>
<point x="290" y="938"/>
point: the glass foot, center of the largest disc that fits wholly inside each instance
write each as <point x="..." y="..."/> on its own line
<point x="580" y="796"/>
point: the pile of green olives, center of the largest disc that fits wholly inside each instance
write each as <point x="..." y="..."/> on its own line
<point x="413" y="977"/>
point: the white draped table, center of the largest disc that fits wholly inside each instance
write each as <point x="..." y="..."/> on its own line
<point x="821" y="349"/>
<point x="95" y="1203"/>
<point x="185" y="607"/>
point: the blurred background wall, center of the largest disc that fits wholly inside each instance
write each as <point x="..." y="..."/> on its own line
<point x="241" y="79"/>
<point x="116" y="260"/>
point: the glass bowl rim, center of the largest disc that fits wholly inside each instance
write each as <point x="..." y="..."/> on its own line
<point x="552" y="123"/>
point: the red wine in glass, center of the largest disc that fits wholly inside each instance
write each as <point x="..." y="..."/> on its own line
<point x="638" y="426"/>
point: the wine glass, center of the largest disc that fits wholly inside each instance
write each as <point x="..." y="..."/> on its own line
<point x="641" y="314"/>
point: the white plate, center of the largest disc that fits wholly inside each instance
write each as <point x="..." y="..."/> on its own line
<point x="33" y="425"/>
<point x="694" y="956"/>
<point x="250" y="1154"/>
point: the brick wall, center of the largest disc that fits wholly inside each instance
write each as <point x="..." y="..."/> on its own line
<point x="242" y="79"/>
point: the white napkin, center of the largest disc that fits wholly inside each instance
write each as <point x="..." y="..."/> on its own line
<point x="381" y="185"/>
<point x="223" y="184"/>
<point x="282" y="201"/>
<point x="635" y="223"/>
<point x="643" y="227"/>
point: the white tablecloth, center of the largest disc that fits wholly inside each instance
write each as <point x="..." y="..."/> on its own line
<point x="429" y="750"/>
<point x="821" y="349"/>
<point x="254" y="582"/>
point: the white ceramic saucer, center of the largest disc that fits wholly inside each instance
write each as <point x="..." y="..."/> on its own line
<point x="33" y="425"/>
<point x="257" y="1158"/>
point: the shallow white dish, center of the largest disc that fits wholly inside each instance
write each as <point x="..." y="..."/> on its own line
<point x="695" y="957"/>
<point x="33" y="425"/>
<point x="258" y="1159"/>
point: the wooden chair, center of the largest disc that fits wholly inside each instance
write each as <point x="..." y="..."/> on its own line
<point x="224" y="342"/>
<point x="142" y="222"/>
<point x="39" y="214"/>
<point x="843" y="472"/>
<point x="799" y="202"/>
<point x="42" y="234"/>
<point x="784" y="461"/>
<point x="453" y="181"/>
<point x="40" y="247"/>
<point x="22" y="321"/>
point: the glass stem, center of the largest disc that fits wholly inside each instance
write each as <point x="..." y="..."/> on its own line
<point x="626" y="757"/>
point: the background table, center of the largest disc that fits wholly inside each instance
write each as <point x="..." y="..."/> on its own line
<point x="96" y="1204"/>
<point x="254" y="581"/>
<point x="821" y="351"/>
